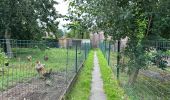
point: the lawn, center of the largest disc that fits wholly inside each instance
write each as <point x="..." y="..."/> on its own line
<point x="82" y="87"/>
<point x="20" y="69"/>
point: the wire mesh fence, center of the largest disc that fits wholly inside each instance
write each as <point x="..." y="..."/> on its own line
<point x="153" y="80"/>
<point x="19" y="77"/>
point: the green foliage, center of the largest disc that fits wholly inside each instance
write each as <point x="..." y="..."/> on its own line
<point x="81" y="90"/>
<point x="159" y="59"/>
<point x="138" y="57"/>
<point x="71" y="34"/>
<point x="59" y="33"/>
<point x="3" y="58"/>
<point x="111" y="86"/>
<point x="77" y="30"/>
<point x="139" y="20"/>
<point x="167" y="52"/>
<point x="75" y="34"/>
<point x="27" y="19"/>
<point x="162" y="19"/>
<point x="78" y="24"/>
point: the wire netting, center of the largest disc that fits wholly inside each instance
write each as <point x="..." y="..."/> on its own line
<point x="153" y="79"/>
<point x="19" y="78"/>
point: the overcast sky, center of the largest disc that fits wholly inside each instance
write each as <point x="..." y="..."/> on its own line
<point x="62" y="8"/>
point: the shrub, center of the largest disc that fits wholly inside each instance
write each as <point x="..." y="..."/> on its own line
<point x="3" y="58"/>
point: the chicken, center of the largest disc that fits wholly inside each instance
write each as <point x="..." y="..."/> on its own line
<point x="41" y="70"/>
<point x="48" y="74"/>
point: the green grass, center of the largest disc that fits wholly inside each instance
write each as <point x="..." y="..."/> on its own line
<point x="21" y="69"/>
<point x="81" y="90"/>
<point x="148" y="89"/>
<point x="111" y="86"/>
<point x="145" y="88"/>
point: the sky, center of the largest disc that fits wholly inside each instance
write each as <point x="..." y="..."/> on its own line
<point x="62" y="8"/>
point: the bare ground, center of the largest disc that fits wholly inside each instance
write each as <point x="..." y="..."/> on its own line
<point x="162" y="76"/>
<point x="37" y="89"/>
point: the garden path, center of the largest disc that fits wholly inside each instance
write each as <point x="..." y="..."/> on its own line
<point x="97" y="92"/>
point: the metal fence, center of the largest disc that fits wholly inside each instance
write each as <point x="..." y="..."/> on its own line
<point x="19" y="79"/>
<point x="105" y="47"/>
<point x="153" y="80"/>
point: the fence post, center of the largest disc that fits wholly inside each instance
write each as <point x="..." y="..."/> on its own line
<point x="109" y="53"/>
<point x="89" y="47"/>
<point x="67" y="64"/>
<point x="118" y="58"/>
<point x="85" y="49"/>
<point x="105" y="50"/>
<point x="76" y="59"/>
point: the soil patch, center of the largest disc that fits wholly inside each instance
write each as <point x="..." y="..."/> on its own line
<point x="37" y="89"/>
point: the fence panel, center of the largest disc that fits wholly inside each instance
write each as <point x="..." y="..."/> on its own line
<point x="19" y="77"/>
<point x="153" y="79"/>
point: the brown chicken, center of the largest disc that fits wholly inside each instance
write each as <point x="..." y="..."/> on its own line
<point x="41" y="70"/>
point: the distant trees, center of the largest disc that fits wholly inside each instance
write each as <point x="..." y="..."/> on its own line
<point x="77" y="30"/>
<point x="75" y="34"/>
<point x="59" y="33"/>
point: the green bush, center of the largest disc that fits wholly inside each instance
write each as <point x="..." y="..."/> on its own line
<point x="3" y="58"/>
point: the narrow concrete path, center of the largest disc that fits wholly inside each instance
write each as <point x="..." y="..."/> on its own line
<point x="97" y="92"/>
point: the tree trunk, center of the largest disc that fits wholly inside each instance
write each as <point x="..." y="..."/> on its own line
<point x="123" y="66"/>
<point x="133" y="76"/>
<point x="118" y="57"/>
<point x="82" y="35"/>
<point x="7" y="43"/>
<point x="150" y="25"/>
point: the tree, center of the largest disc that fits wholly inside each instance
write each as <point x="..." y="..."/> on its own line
<point x="59" y="33"/>
<point x="26" y="19"/>
<point x="138" y="20"/>
<point x="77" y="30"/>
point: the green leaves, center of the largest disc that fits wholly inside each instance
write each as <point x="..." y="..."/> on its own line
<point x="3" y="58"/>
<point x="28" y="19"/>
<point x="139" y="20"/>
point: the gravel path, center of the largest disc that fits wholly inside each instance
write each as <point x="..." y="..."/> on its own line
<point x="97" y="92"/>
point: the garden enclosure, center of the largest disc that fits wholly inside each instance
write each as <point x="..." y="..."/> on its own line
<point x="18" y="78"/>
<point x="153" y="80"/>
